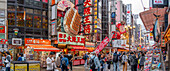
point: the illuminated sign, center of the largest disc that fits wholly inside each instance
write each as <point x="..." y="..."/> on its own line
<point x="37" y="41"/>
<point x="158" y="1"/>
<point x="62" y="5"/>
<point x="64" y="38"/>
<point x="16" y="41"/>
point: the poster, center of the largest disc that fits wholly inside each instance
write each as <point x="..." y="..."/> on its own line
<point x="101" y="45"/>
<point x="34" y="67"/>
<point x="20" y="67"/>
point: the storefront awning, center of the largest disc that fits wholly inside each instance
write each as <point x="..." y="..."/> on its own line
<point x="78" y="47"/>
<point x="43" y="48"/>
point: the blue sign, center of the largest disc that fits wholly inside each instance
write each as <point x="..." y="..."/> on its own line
<point x="113" y="15"/>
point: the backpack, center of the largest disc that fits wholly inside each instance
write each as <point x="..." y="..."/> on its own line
<point x="92" y="64"/>
<point x="115" y="58"/>
<point x="133" y="60"/>
<point x="63" y="63"/>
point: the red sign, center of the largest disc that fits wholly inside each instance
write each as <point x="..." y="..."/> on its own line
<point x="101" y="45"/>
<point x="2" y="29"/>
<point x="37" y="41"/>
<point x="121" y="28"/>
<point x="3" y="41"/>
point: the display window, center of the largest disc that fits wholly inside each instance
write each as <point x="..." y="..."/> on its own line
<point x="11" y="15"/>
<point x="20" y="8"/>
<point x="44" y="24"/>
<point x="11" y="8"/>
<point x="37" y="22"/>
<point x="20" y="19"/>
<point x="29" y="10"/>
<point x="36" y="11"/>
<point x="29" y="20"/>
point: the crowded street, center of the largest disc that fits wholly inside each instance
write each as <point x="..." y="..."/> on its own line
<point x="84" y="35"/>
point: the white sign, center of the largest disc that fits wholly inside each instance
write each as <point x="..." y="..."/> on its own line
<point x="2" y="13"/>
<point x="128" y="13"/>
<point x="119" y="43"/>
<point x="2" y="21"/>
<point x="16" y="41"/>
<point x="54" y="12"/>
<point x="158" y="1"/>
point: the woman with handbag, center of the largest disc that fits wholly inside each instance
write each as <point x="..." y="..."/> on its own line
<point x="124" y="61"/>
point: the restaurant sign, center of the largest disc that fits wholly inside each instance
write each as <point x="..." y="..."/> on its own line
<point x="89" y="44"/>
<point x="37" y="41"/>
<point x="119" y="43"/>
<point x="64" y="38"/>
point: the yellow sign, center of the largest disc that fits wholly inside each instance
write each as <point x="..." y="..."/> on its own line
<point x="20" y="67"/>
<point x="34" y="67"/>
<point x="12" y="67"/>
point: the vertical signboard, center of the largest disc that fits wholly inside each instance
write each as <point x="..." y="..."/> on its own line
<point x="128" y="17"/>
<point x="53" y="27"/>
<point x="54" y="12"/>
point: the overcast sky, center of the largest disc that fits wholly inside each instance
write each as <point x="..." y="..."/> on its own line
<point x="137" y="7"/>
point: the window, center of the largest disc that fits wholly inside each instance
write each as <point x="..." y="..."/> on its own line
<point x="29" y="10"/>
<point x="11" y="8"/>
<point x="29" y="2"/>
<point x="29" y="20"/>
<point x="37" y="11"/>
<point x="20" y="1"/>
<point x="44" y="24"/>
<point x="44" y="13"/>
<point x="11" y="22"/>
<point x="37" y="22"/>
<point x="11" y="15"/>
<point x="45" y="6"/>
<point x="20" y="19"/>
<point x="37" y="3"/>
<point x="20" y="8"/>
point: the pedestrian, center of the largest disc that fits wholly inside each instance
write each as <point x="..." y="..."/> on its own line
<point x="94" y="62"/>
<point x="85" y="57"/>
<point x="116" y="61"/>
<point x="50" y="61"/>
<point x="133" y="62"/>
<point x="54" y="59"/>
<point x="8" y="61"/>
<point x="58" y="62"/>
<point x="142" y="60"/>
<point x="124" y="61"/>
<point x="70" y="58"/>
<point x="19" y="57"/>
<point x="102" y="62"/>
<point x="65" y="63"/>
<point x="109" y="58"/>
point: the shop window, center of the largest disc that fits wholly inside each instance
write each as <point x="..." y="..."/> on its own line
<point x="37" y="3"/>
<point x="37" y="22"/>
<point x="11" y="15"/>
<point x="29" y="20"/>
<point x="37" y="11"/>
<point x="20" y="19"/>
<point x="20" y="8"/>
<point x="44" y="13"/>
<point x="20" y="1"/>
<point x="45" y="23"/>
<point x="29" y="2"/>
<point x="45" y="6"/>
<point x="28" y="10"/>
<point x="11" y="8"/>
<point x="11" y="22"/>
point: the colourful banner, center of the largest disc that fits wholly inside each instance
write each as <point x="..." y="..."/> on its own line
<point x="101" y="45"/>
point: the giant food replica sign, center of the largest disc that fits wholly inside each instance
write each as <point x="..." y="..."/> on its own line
<point x="72" y="22"/>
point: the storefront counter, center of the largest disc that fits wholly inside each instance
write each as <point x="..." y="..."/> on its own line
<point x="78" y="62"/>
<point x="25" y="66"/>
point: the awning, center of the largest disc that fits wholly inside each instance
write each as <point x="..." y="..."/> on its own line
<point x="43" y="48"/>
<point x="77" y="47"/>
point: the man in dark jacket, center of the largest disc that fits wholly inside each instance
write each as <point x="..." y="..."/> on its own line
<point x="133" y="62"/>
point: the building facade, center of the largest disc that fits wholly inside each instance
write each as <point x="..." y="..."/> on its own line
<point x="29" y="16"/>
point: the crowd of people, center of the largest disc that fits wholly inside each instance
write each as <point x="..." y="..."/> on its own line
<point x="99" y="62"/>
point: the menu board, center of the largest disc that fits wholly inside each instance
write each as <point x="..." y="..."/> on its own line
<point x="34" y="67"/>
<point x="20" y="67"/>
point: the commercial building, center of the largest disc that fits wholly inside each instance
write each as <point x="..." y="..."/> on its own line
<point x="30" y="17"/>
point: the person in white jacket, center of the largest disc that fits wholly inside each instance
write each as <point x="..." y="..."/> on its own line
<point x="8" y="61"/>
<point x="50" y="61"/>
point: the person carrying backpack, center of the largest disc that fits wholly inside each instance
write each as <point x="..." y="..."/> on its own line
<point x="94" y="62"/>
<point x="64" y="63"/>
<point x="116" y="61"/>
<point x="133" y="62"/>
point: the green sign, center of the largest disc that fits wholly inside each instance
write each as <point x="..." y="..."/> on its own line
<point x="64" y="38"/>
<point x="2" y="36"/>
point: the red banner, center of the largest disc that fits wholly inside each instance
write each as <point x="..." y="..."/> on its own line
<point x="2" y="29"/>
<point x="101" y="45"/>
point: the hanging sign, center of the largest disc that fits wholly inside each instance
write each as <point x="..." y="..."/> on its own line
<point x="158" y="1"/>
<point x="156" y="29"/>
<point x="62" y="5"/>
<point x="101" y="45"/>
<point x="2" y="21"/>
<point x="64" y="38"/>
<point x="53" y="27"/>
<point x="2" y="29"/>
<point x="37" y="41"/>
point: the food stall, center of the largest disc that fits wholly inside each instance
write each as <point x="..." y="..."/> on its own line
<point x="25" y="66"/>
<point x="38" y="50"/>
